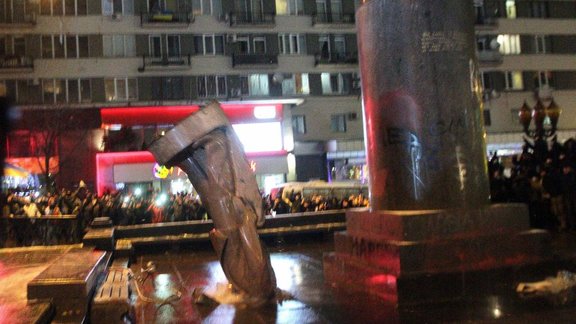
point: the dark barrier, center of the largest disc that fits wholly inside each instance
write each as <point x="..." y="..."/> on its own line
<point x="44" y="230"/>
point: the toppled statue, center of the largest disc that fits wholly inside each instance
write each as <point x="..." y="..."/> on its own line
<point x="205" y="146"/>
<point x="559" y="290"/>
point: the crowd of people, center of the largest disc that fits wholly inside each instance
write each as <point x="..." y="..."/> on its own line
<point x="295" y="203"/>
<point x="127" y="208"/>
<point x="542" y="177"/>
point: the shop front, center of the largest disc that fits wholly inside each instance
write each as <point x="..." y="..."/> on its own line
<point x="258" y="126"/>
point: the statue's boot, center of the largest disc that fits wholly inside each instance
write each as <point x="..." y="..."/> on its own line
<point x="205" y="146"/>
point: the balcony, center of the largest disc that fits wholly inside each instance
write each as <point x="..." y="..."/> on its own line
<point x="334" y="20"/>
<point x="16" y="64"/>
<point x="336" y="59"/>
<point x="28" y="20"/>
<point x="254" y="60"/>
<point x="166" y="19"/>
<point x="165" y="63"/>
<point x="251" y="19"/>
<point x="486" y="23"/>
<point x="490" y="57"/>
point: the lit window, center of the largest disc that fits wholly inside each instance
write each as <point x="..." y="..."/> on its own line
<point x="509" y="44"/>
<point x="514" y="80"/>
<point x="295" y="84"/>
<point x="335" y="83"/>
<point x="289" y="7"/>
<point x="511" y="9"/>
<point x="121" y="89"/>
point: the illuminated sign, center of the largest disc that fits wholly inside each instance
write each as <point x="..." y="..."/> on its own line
<point x="260" y="137"/>
<point x="162" y="172"/>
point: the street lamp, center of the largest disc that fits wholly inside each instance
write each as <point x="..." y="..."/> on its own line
<point x="542" y="132"/>
<point x="538" y="114"/>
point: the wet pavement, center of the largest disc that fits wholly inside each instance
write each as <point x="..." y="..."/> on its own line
<point x="297" y="262"/>
<point x="298" y="267"/>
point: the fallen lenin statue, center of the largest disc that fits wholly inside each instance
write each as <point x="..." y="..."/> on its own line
<point x="206" y="148"/>
<point x="558" y="290"/>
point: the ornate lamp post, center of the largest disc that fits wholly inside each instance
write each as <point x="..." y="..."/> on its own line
<point x="541" y="133"/>
<point x="538" y="114"/>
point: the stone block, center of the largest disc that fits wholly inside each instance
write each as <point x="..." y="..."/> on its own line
<point x="69" y="282"/>
<point x="426" y="225"/>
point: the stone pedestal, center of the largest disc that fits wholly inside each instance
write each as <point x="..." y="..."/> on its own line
<point x="416" y="256"/>
<point x="430" y="228"/>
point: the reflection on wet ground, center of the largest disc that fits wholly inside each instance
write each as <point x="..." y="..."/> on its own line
<point x="297" y="262"/>
<point x="298" y="267"/>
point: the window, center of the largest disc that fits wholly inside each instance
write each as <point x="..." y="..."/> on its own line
<point x="299" y="124"/>
<point x="539" y="9"/>
<point x="168" y="88"/>
<point x="540" y="44"/>
<point x="289" y="7"/>
<point x="509" y="44"/>
<point x="334" y="83"/>
<point x="66" y="91"/>
<point x="340" y="47"/>
<point x="336" y="6"/>
<point x="121" y="89"/>
<point x="63" y="7"/>
<point x="487" y="117"/>
<point x="295" y="84"/>
<point x="212" y="86"/>
<point x="543" y="79"/>
<point x="155" y="46"/>
<point x="57" y="46"/>
<point x="291" y="44"/>
<point x="259" y="45"/>
<point x="209" y="44"/>
<point x="511" y="9"/>
<point x="338" y="123"/>
<point x="243" y="44"/>
<point x="514" y="80"/>
<point x="321" y="10"/>
<point x="115" y="7"/>
<point x="173" y="45"/>
<point x="207" y="7"/>
<point x="324" y="46"/>
<point x="486" y="81"/>
<point x="258" y="84"/>
<point x="119" y="45"/>
<point x="19" y="44"/>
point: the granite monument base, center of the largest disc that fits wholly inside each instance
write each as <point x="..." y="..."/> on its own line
<point x="408" y="257"/>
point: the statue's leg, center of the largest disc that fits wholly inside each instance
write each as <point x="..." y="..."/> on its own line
<point x="214" y="171"/>
<point x="213" y="159"/>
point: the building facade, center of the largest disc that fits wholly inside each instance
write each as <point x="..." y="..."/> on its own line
<point x="64" y="61"/>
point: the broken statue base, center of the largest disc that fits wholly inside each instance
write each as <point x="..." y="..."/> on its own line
<point x="408" y="257"/>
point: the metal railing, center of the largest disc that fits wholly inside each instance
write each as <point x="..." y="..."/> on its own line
<point x="254" y="59"/>
<point x="336" y="58"/>
<point x="166" y="18"/>
<point x="27" y="19"/>
<point x="324" y="18"/>
<point x="166" y="61"/>
<point x="16" y="62"/>
<point x="251" y="18"/>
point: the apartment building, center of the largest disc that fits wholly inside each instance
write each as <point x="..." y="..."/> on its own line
<point x="126" y="69"/>
<point x="527" y="51"/>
